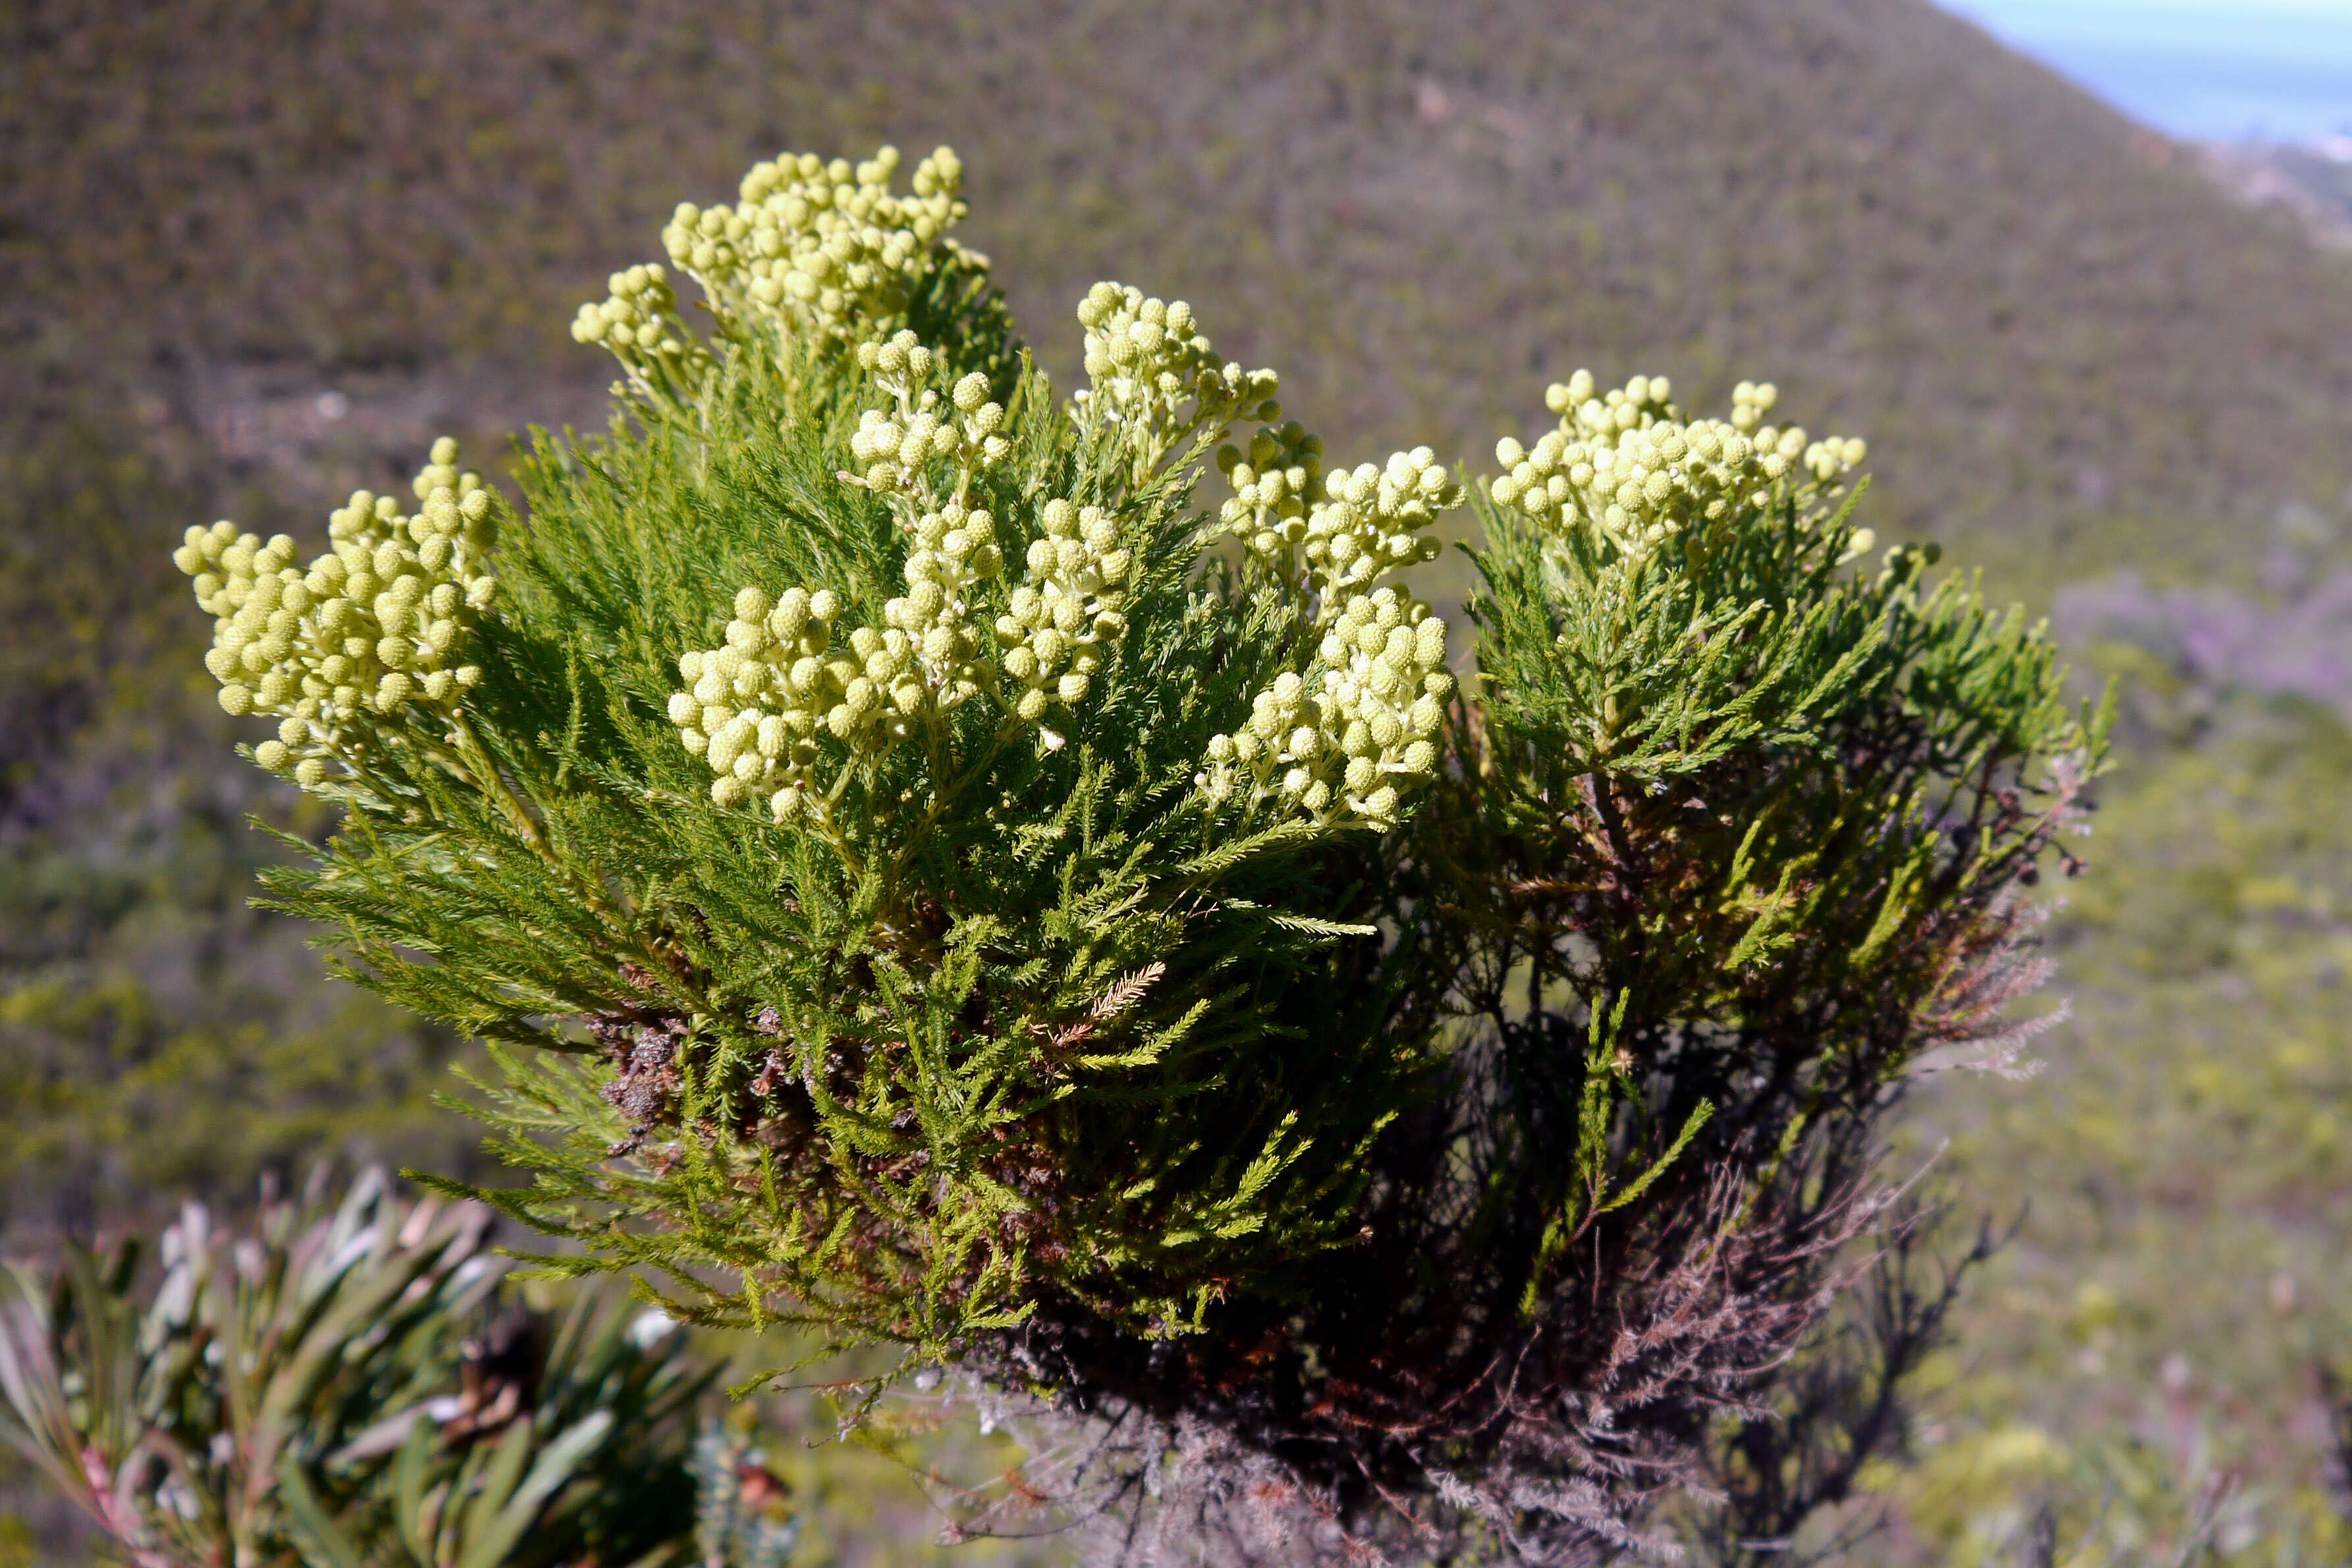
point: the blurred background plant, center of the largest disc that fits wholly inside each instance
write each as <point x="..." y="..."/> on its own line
<point x="346" y="1383"/>
<point x="348" y="1377"/>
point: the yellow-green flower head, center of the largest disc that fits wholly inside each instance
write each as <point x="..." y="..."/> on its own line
<point x="381" y="625"/>
<point x="1336" y="534"/>
<point x="1274" y="482"/>
<point x="790" y="687"/>
<point x="1068" y="611"/>
<point x="1154" y="380"/>
<point x="817" y="249"/>
<point x="900" y="445"/>
<point x="1347" y="743"/>
<point x="1630" y="466"/>
<point x="638" y="321"/>
<point x="907" y="451"/>
<point x="755" y="707"/>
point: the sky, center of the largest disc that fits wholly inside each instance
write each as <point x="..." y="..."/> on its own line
<point x="2223" y="69"/>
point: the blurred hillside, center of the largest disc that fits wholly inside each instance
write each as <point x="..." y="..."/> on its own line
<point x="2313" y="181"/>
<point x="213" y="212"/>
<point x="254" y="256"/>
<point x="2167" y="1340"/>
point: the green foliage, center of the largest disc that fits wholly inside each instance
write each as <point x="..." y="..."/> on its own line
<point x="996" y="955"/>
<point x="333" y="1389"/>
<point x="1813" y="761"/>
<point x="1132" y="948"/>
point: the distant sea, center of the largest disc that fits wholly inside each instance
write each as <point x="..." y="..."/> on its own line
<point x="2239" y="70"/>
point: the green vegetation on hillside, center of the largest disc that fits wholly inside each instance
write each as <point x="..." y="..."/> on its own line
<point x="158" y="1039"/>
<point x="2169" y="1332"/>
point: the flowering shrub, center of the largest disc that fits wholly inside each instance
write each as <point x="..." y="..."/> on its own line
<point x="920" y="880"/>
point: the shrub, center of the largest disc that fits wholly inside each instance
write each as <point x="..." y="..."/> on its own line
<point x="931" y="869"/>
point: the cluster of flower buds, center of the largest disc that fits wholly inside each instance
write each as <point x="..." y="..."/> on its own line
<point x="1345" y="740"/>
<point x="1348" y="752"/>
<point x="638" y="321"/>
<point x="758" y="705"/>
<point x="953" y="549"/>
<point x="899" y="446"/>
<point x="1332" y="534"/>
<point x="1068" y="610"/>
<point x="381" y="621"/>
<point x="755" y="707"/>
<point x="1154" y="378"/>
<point x="820" y="248"/>
<point x="1828" y="460"/>
<point x="1631" y="467"/>
<point x="1275" y="481"/>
